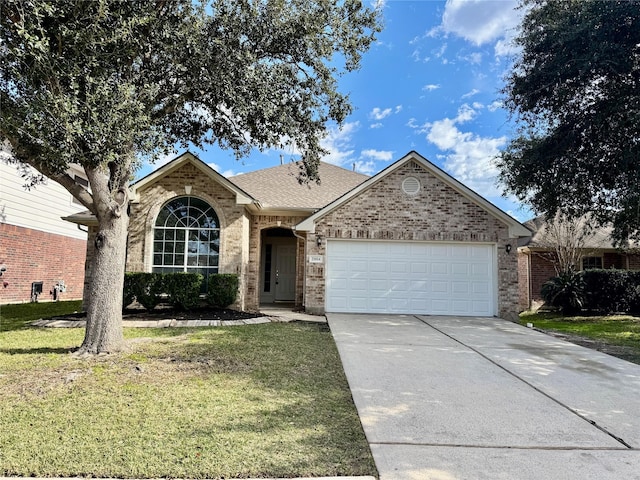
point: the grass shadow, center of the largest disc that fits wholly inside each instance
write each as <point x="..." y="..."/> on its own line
<point x="37" y="350"/>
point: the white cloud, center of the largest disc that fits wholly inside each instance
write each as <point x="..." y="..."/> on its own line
<point x="465" y="113"/>
<point x="381" y="155"/>
<point x="473" y="58"/>
<point x="338" y="143"/>
<point x="378" y="113"/>
<point x="469" y="157"/>
<point x="480" y="21"/>
<point x="226" y="173"/>
<point x="431" y="87"/>
<point x="398" y="109"/>
<point x="368" y="168"/>
<point x="495" y="106"/>
<point x="473" y="92"/>
<point x="376" y="125"/>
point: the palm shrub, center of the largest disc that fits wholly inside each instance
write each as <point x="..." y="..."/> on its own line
<point x="223" y="289"/>
<point x="183" y="289"/>
<point x="566" y="291"/>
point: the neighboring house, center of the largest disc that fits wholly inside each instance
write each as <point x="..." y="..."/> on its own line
<point x="536" y="255"/>
<point x="41" y="252"/>
<point x="410" y="239"/>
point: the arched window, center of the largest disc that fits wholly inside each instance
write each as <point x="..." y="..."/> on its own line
<point x="186" y="237"/>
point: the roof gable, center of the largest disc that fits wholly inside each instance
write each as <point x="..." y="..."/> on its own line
<point x="242" y="197"/>
<point x="516" y="229"/>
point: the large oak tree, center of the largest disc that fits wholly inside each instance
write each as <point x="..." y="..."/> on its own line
<point x="108" y="83"/>
<point x="575" y="90"/>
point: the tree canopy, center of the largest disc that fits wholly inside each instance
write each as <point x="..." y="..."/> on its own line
<point x="108" y="83"/>
<point x="575" y="91"/>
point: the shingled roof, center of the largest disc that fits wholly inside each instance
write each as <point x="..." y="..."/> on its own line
<point x="278" y="187"/>
<point x="599" y="238"/>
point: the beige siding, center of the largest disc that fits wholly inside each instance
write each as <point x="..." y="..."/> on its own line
<point x="40" y="208"/>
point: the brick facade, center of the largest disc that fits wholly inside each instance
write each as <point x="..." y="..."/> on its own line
<point x="524" y="286"/>
<point x="233" y="218"/>
<point x="259" y="223"/>
<point x="34" y="256"/>
<point x="437" y="213"/>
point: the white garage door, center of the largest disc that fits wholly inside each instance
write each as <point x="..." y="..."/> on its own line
<point x="410" y="277"/>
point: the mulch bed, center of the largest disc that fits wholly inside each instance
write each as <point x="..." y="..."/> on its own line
<point x="164" y="311"/>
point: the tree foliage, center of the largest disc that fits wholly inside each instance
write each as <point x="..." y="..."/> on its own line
<point x="566" y="241"/>
<point x="108" y="83"/>
<point x="575" y="89"/>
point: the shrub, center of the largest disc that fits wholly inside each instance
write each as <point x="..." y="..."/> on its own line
<point x="146" y="288"/>
<point x="565" y="292"/>
<point x="128" y="294"/>
<point x="610" y="291"/>
<point x="183" y="289"/>
<point x="223" y="289"/>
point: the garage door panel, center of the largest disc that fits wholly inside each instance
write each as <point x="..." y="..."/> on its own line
<point x="460" y="269"/>
<point x="378" y="266"/>
<point x="439" y="287"/>
<point x="438" y="268"/>
<point x="399" y="266"/>
<point x="410" y="277"/>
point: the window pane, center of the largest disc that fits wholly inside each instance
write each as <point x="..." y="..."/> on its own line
<point x="192" y="260"/>
<point x="194" y="232"/>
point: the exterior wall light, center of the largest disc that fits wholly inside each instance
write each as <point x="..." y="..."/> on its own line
<point x="507" y="248"/>
<point x="319" y="240"/>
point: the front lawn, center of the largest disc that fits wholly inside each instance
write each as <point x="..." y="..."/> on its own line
<point x="20" y="315"/>
<point x="260" y="401"/>
<point x="618" y="335"/>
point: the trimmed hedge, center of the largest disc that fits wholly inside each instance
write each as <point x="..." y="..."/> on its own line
<point x="144" y="287"/>
<point x="182" y="290"/>
<point x="223" y="289"/>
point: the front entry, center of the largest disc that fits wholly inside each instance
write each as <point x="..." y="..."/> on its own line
<point x="278" y="266"/>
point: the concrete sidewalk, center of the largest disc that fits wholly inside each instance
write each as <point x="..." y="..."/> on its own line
<point x="473" y="398"/>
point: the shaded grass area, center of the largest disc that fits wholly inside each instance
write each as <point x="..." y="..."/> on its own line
<point x="20" y="315"/>
<point x="255" y="401"/>
<point x="617" y="335"/>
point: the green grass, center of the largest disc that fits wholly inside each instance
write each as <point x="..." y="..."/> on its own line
<point x="621" y="331"/>
<point x="255" y="401"/>
<point x="20" y="315"/>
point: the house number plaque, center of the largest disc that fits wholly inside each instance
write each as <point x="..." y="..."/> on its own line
<point x="316" y="258"/>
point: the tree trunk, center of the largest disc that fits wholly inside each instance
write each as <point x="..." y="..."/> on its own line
<point x="104" y="309"/>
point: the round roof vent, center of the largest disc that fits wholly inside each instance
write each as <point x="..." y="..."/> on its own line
<point x="411" y="185"/>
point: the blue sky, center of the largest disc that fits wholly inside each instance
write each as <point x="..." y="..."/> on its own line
<point x="431" y="84"/>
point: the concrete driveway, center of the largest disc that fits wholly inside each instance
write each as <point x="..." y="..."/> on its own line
<point x="481" y="398"/>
